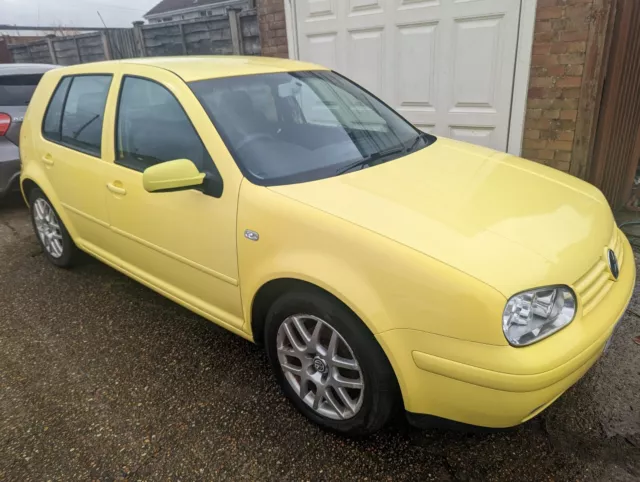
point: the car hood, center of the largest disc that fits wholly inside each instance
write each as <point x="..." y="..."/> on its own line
<point x="511" y="223"/>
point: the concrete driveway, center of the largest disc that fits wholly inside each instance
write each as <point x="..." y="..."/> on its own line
<point x="102" y="379"/>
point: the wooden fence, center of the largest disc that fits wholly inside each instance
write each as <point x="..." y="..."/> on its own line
<point x="235" y="32"/>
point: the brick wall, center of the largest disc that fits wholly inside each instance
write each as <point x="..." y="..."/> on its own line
<point x="557" y="64"/>
<point x="273" y="32"/>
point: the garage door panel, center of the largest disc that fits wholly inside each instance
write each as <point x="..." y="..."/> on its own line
<point x="481" y="135"/>
<point x="412" y="4"/>
<point x="366" y="57"/>
<point x="313" y="10"/>
<point x="360" y="7"/>
<point x="476" y="63"/>
<point x="445" y="65"/>
<point x="415" y="69"/>
<point x="324" y="49"/>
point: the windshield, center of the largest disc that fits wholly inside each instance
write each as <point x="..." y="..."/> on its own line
<point x="302" y="126"/>
<point x="16" y="90"/>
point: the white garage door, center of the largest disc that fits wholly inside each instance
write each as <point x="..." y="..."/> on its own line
<point x="446" y="65"/>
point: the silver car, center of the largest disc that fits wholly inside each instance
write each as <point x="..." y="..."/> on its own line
<point x="17" y="83"/>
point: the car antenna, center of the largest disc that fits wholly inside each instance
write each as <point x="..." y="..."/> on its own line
<point x="107" y="28"/>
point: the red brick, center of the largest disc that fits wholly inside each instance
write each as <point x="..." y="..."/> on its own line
<point x="544" y="36"/>
<point x="569" y="82"/>
<point x="551" y="114"/>
<point x="577" y="47"/>
<point x="556" y="70"/>
<point x="534" y="113"/>
<point x="542" y="26"/>
<point x="546" y="154"/>
<point x="538" y="124"/>
<point x="569" y="114"/>
<point x="565" y="125"/>
<point x="544" y="60"/>
<point x="558" y="48"/>
<point x="578" y="11"/>
<point x="534" y="144"/>
<point x="561" y="165"/>
<point x="575" y="69"/>
<point x="530" y="154"/>
<point x="532" y="134"/>
<point x="563" y="156"/>
<point x="573" y="58"/>
<point x="549" y="12"/>
<point x="574" y="36"/>
<point x="550" y="3"/>
<point x="541" y="48"/>
<point x="541" y="82"/>
<point x="564" y="104"/>
<point x="571" y="93"/>
<point x="533" y="103"/>
<point x="560" y="145"/>
<point x="565" y="136"/>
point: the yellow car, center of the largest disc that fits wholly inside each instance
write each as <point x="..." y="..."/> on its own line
<point x="378" y="265"/>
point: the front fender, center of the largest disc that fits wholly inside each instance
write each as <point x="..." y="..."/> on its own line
<point x="330" y="273"/>
<point x="388" y="285"/>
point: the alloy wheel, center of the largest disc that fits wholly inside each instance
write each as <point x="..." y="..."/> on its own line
<point x="320" y="366"/>
<point x="48" y="227"/>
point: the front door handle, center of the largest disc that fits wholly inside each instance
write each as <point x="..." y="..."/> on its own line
<point x="114" y="188"/>
<point x="47" y="160"/>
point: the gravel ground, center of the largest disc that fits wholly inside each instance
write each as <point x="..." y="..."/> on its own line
<point x="102" y="379"/>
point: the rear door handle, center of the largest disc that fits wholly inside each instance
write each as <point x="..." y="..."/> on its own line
<point x="47" y="160"/>
<point x="116" y="189"/>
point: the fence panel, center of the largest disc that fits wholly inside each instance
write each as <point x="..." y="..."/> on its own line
<point x="122" y="42"/>
<point x="203" y="36"/>
<point x="250" y="33"/>
<point x="91" y="47"/>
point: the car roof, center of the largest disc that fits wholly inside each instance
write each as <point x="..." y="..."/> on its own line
<point x="192" y="68"/>
<point x="20" y="69"/>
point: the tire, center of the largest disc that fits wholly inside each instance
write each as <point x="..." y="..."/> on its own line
<point x="373" y="404"/>
<point x="65" y="253"/>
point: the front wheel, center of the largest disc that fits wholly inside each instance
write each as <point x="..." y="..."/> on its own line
<point x="329" y="364"/>
<point x="52" y="234"/>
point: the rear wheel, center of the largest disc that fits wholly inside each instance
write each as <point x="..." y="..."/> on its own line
<point x="329" y="364"/>
<point x="51" y="232"/>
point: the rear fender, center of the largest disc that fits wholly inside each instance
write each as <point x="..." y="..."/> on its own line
<point x="34" y="173"/>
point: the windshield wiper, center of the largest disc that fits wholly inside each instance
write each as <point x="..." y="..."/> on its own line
<point x="421" y="136"/>
<point x="370" y="159"/>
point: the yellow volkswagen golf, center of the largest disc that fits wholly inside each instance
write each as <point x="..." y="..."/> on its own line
<point x="379" y="266"/>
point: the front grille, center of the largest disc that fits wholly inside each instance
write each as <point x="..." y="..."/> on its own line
<point x="596" y="283"/>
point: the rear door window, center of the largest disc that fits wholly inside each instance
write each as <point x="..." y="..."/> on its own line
<point x="53" y="117"/>
<point x="17" y="90"/>
<point x="83" y="113"/>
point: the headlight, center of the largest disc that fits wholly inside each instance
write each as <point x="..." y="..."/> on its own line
<point x="533" y="315"/>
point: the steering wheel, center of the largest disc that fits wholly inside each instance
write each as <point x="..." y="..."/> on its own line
<point x="253" y="137"/>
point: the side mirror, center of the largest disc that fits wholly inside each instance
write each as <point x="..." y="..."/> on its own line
<point x="171" y="175"/>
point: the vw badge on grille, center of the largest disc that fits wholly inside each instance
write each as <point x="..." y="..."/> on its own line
<point x="613" y="264"/>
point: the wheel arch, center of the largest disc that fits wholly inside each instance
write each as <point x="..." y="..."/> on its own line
<point x="28" y="183"/>
<point x="270" y="291"/>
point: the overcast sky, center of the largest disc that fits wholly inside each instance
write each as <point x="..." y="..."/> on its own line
<point x="73" y="13"/>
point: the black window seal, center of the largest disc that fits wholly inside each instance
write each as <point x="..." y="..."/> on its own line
<point x="59" y="142"/>
<point x="116" y="161"/>
<point x="46" y="112"/>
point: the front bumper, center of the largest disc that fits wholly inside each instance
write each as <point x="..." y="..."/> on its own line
<point x="502" y="386"/>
